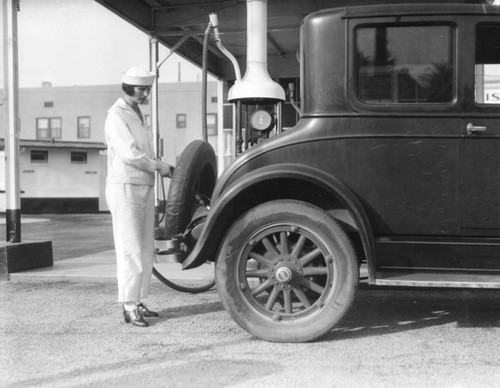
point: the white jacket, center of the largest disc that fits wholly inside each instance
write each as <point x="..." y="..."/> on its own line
<point x="131" y="157"/>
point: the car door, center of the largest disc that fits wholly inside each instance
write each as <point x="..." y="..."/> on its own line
<point x="480" y="147"/>
<point x="404" y="89"/>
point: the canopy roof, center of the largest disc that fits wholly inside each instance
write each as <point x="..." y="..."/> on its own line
<point x="170" y="20"/>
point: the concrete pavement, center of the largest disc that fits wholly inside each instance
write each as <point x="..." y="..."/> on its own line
<point x="101" y="267"/>
<point x="82" y="248"/>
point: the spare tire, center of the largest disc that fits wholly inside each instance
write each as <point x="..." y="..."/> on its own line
<point x="195" y="174"/>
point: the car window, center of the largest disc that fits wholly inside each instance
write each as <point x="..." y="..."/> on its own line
<point x="404" y="64"/>
<point x="487" y="65"/>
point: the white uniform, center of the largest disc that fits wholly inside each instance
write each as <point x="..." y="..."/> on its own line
<point x="130" y="197"/>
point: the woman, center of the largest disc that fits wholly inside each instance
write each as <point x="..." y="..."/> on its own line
<point x="130" y="181"/>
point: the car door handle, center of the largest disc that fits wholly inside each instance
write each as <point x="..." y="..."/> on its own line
<point x="475" y="129"/>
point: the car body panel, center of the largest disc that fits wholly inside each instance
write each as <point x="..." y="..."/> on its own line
<point x="423" y="191"/>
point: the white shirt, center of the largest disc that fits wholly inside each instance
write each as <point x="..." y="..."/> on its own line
<point x="131" y="157"/>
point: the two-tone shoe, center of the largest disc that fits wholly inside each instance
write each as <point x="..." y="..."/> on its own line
<point x="134" y="317"/>
<point x="145" y="312"/>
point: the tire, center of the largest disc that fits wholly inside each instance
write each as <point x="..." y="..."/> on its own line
<point x="195" y="173"/>
<point x="286" y="272"/>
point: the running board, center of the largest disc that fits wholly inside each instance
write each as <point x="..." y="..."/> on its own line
<point x="458" y="279"/>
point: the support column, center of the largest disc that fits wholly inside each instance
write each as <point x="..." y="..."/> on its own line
<point x="11" y="79"/>
<point x="14" y="255"/>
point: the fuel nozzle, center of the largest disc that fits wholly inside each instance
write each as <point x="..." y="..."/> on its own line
<point x="214" y="23"/>
<point x="214" y="19"/>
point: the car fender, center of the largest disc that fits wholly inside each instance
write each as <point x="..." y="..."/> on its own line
<point x="211" y="234"/>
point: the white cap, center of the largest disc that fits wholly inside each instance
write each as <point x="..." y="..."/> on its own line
<point x="138" y="76"/>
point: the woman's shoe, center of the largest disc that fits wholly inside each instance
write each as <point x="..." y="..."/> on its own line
<point x="145" y="312"/>
<point x="134" y="317"/>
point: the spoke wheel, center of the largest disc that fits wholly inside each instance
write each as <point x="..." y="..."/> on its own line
<point x="287" y="272"/>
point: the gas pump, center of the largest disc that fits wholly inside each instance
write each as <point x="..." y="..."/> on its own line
<point x="256" y="96"/>
<point x="258" y="119"/>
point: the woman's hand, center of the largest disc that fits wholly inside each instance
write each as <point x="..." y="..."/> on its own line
<point x="166" y="170"/>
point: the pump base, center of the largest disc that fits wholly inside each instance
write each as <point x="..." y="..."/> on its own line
<point x="16" y="257"/>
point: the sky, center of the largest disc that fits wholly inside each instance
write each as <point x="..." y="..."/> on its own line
<point x="80" y="42"/>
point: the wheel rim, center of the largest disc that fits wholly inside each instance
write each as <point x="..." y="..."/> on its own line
<point x="286" y="272"/>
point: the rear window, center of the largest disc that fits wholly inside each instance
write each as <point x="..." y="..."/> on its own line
<point x="404" y="64"/>
<point x="487" y="65"/>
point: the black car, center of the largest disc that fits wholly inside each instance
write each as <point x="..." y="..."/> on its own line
<point x="394" y="167"/>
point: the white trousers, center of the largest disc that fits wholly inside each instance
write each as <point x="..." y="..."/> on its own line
<point x="132" y="212"/>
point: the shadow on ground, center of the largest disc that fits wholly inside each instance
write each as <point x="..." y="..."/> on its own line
<point x="379" y="312"/>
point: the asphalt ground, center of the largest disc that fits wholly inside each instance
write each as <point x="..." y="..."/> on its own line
<point x="71" y="334"/>
<point x="72" y="235"/>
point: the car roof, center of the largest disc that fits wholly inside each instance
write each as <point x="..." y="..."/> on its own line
<point x="420" y="10"/>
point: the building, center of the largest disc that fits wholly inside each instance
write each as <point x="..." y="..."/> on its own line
<point x="62" y="150"/>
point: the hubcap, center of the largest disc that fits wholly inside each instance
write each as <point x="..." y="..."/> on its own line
<point x="283" y="275"/>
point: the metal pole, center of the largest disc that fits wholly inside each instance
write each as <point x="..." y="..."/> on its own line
<point x="238" y="131"/>
<point x="220" y="127"/>
<point x="11" y="81"/>
<point x="153" y="52"/>
<point x="154" y="66"/>
<point x="279" y="116"/>
<point x="153" y="60"/>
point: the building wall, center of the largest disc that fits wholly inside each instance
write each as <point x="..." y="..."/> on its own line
<point x="69" y="103"/>
<point x="59" y="185"/>
<point x="58" y="177"/>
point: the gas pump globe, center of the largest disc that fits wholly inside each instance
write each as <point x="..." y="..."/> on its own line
<point x="261" y="122"/>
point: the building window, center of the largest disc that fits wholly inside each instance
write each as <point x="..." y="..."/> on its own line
<point x="181" y="120"/>
<point x="487" y="66"/>
<point x="39" y="156"/>
<point x="83" y="127"/>
<point x="48" y="128"/>
<point x="48" y="104"/>
<point x="405" y="64"/>
<point x="212" y="124"/>
<point x="78" y="157"/>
